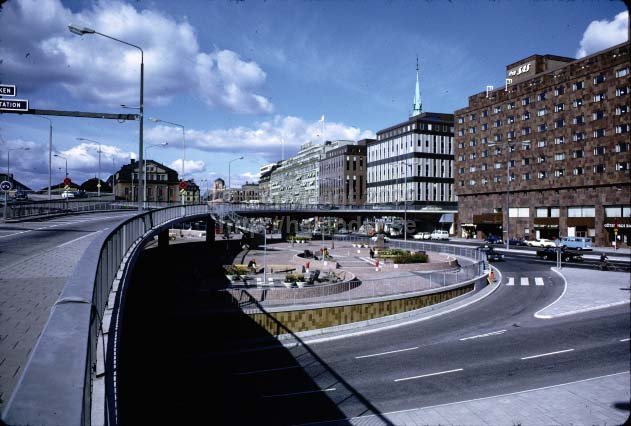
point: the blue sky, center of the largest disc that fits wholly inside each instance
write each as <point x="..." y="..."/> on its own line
<point x="243" y="75"/>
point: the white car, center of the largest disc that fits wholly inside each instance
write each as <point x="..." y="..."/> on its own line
<point x="422" y="236"/>
<point x="374" y="239"/>
<point x="439" y="235"/>
<point x="67" y="194"/>
<point x="541" y="242"/>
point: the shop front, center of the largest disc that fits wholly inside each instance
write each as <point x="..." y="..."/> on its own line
<point x="546" y="227"/>
<point x="488" y="224"/>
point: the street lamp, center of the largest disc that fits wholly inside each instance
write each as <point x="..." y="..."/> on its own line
<point x="83" y="30"/>
<point x="9" y="160"/>
<point x="50" y="153"/>
<point x="230" y="164"/>
<point x="157" y="120"/>
<point x="160" y="145"/>
<point x="98" y="186"/>
<point x="508" y="150"/>
<point x="65" y="159"/>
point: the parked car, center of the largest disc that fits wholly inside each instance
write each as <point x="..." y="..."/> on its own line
<point x="576" y="243"/>
<point x="516" y="242"/>
<point x="374" y="239"/>
<point x="550" y="253"/>
<point x="542" y="242"/>
<point x="20" y="195"/>
<point x="422" y="236"/>
<point x="491" y="254"/>
<point x="439" y="235"/>
<point x="67" y="194"/>
<point x="493" y="239"/>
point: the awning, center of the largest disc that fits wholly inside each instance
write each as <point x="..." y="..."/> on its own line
<point x="446" y="218"/>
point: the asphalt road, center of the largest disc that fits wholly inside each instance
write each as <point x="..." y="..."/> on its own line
<point x="36" y="259"/>
<point x="494" y="347"/>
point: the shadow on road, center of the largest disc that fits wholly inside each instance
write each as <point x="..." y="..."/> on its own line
<point x="190" y="355"/>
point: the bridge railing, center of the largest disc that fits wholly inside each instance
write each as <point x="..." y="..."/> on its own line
<point x="23" y="210"/>
<point x="56" y="384"/>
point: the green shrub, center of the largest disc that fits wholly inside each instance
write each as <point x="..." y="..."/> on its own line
<point x="387" y="253"/>
<point x="235" y="270"/>
<point x="293" y="277"/>
<point x="410" y="258"/>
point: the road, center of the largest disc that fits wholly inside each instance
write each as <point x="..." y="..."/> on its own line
<point x="36" y="258"/>
<point x="493" y="347"/>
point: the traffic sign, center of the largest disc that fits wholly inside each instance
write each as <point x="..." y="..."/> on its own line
<point x="13" y="105"/>
<point x="183" y="184"/>
<point x="182" y="191"/>
<point x="98" y="185"/>
<point x="66" y="187"/>
<point x="67" y="181"/>
<point x="6" y="185"/>
<point x="7" y="90"/>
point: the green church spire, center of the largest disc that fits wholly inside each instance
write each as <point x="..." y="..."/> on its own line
<point x="418" y="105"/>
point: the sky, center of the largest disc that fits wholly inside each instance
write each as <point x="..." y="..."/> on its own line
<point x="254" y="78"/>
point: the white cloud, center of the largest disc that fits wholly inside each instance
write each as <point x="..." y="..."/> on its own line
<point x="263" y="139"/>
<point x="99" y="70"/>
<point x="192" y="166"/>
<point x="250" y="177"/>
<point x="85" y="157"/>
<point x="600" y="35"/>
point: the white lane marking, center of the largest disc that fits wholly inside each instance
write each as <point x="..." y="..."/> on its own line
<point x="387" y="353"/>
<point x="428" y="375"/>
<point x="538" y="281"/>
<point x="549" y="353"/>
<point x="92" y="233"/>
<point x="269" y="370"/>
<point x="624" y="340"/>
<point x="537" y="314"/>
<point x="493" y="333"/>
<point x="483" y="398"/>
<point x="299" y="393"/>
<point x="524" y="281"/>
<point x="511" y="281"/>
<point x="16" y="233"/>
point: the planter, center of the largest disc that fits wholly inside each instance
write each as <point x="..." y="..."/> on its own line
<point x="301" y="284"/>
<point x="288" y="284"/>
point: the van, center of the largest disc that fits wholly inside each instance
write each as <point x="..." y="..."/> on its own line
<point x="576" y="243"/>
<point x="439" y="235"/>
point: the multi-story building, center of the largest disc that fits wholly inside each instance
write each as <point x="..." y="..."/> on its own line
<point x="249" y="192"/>
<point x="343" y="175"/>
<point x="191" y="195"/>
<point x="219" y="186"/>
<point x="296" y="180"/>
<point x="265" y="195"/>
<point x="162" y="182"/>
<point x="413" y="161"/>
<point x="553" y="146"/>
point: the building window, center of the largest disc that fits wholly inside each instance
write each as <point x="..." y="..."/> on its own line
<point x="542" y="127"/>
<point x="559" y="123"/>
<point x="577" y="171"/>
<point x="519" y="212"/>
<point x="577" y="103"/>
<point x="497" y="151"/>
<point x="511" y="134"/>
<point x="559" y="156"/>
<point x="559" y="140"/>
<point x="472" y="129"/>
<point x="484" y="140"/>
<point x="559" y="91"/>
<point x="600" y="78"/>
<point x="599" y="133"/>
<point x="485" y="153"/>
<point x="525" y="161"/>
<point x="497" y="109"/>
<point x="547" y="212"/>
<point x="578" y="136"/>
<point x="617" y="211"/>
<point x="510" y="105"/>
<point x="460" y="120"/>
<point x="525" y="101"/>
<point x="622" y="147"/>
<point x="525" y="131"/>
<point x="559" y="172"/>
<point x="579" y="119"/>
<point x="541" y="96"/>
<point x="471" y="169"/>
<point x="484" y="167"/>
<point x="581" y="211"/>
<point x="578" y="85"/>
<point x="497" y="138"/>
<point x="622" y="166"/>
<point x="525" y="116"/>
<point x="510" y="119"/>
<point x="599" y="168"/>
<point x="542" y="174"/>
<point x="525" y="176"/>
<point x="599" y="150"/>
<point x="578" y="153"/>
<point x="600" y="97"/>
<point x="541" y="159"/>
<point x="559" y="107"/>
<point x="621" y="91"/>
<point x="485" y="113"/>
<point x="598" y="115"/>
<point x="541" y="144"/>
<point x="623" y="109"/>
<point x="541" y="112"/>
<point x="471" y="117"/>
<point x="498" y="123"/>
<point x="485" y="181"/>
<point x="622" y="73"/>
<point x="472" y="182"/>
<point x="623" y="128"/>
<point x="497" y="179"/>
<point x="498" y="165"/>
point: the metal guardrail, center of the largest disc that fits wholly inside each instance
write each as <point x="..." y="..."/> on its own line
<point x="55" y="386"/>
<point x="338" y="208"/>
<point x="24" y="210"/>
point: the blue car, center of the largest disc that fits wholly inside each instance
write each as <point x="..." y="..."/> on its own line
<point x="493" y="239"/>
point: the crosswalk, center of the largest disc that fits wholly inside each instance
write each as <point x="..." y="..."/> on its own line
<point x="523" y="281"/>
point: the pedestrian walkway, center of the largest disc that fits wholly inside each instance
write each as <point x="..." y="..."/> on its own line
<point x="524" y="281"/>
<point x="595" y="401"/>
<point x="588" y="290"/>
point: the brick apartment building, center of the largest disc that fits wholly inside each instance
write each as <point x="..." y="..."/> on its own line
<point x="560" y="129"/>
<point x="343" y="175"/>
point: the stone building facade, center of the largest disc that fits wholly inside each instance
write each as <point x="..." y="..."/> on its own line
<point x="343" y="175"/>
<point x="553" y="145"/>
<point x="162" y="182"/>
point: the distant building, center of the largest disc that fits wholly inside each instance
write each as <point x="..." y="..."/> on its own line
<point x="343" y="175"/>
<point x="248" y="192"/>
<point x="219" y="186"/>
<point x="192" y="193"/>
<point x="562" y="126"/>
<point x="90" y="185"/>
<point x="296" y="180"/>
<point x="265" y="195"/>
<point x="162" y="182"/>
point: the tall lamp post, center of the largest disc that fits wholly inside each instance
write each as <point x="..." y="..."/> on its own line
<point x="229" y="172"/>
<point x="98" y="186"/>
<point x="82" y="31"/>
<point x="160" y="145"/>
<point x="65" y="159"/>
<point x="157" y="120"/>
<point x="50" y="153"/>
